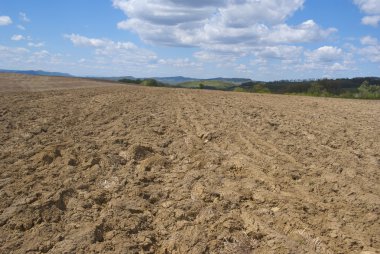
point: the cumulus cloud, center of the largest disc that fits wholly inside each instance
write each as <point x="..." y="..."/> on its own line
<point x="368" y="6"/>
<point x="308" y="31"/>
<point x="114" y="52"/>
<point x="224" y="22"/>
<point x="9" y="51"/>
<point x="371" y="20"/>
<point x="371" y="49"/>
<point x="17" y="37"/>
<point x="328" y="59"/>
<point x="228" y="34"/>
<point x="279" y="52"/>
<point x="371" y="53"/>
<point x="242" y="68"/>
<point x="11" y="55"/>
<point x="325" y="54"/>
<point x="369" y="40"/>
<point x="5" y="20"/>
<point x="24" y="58"/>
<point x="79" y="40"/>
<point x="372" y="10"/>
<point x="23" y="55"/>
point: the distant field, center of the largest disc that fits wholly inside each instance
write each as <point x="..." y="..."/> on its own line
<point x="10" y="82"/>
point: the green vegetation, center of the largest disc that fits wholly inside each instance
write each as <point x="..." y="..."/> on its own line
<point x="361" y="88"/>
<point x="150" y="82"/>
<point x="144" y="82"/>
<point x="208" y="84"/>
<point x="367" y="91"/>
<point x="130" y="81"/>
<point x="239" y="89"/>
<point x="261" y="88"/>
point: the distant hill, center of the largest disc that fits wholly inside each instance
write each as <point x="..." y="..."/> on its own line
<point x="166" y="80"/>
<point x="112" y="78"/>
<point x="231" y="80"/>
<point x="174" y="80"/>
<point x="38" y="73"/>
<point x="179" y="80"/>
<point x="185" y="82"/>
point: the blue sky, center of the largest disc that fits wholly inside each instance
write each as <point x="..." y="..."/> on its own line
<point x="258" y="39"/>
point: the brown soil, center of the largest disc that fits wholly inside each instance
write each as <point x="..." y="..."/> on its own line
<point x="16" y="82"/>
<point x="127" y="169"/>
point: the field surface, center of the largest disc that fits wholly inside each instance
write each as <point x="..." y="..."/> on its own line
<point x="128" y="169"/>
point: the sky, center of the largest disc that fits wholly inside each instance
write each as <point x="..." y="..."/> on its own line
<point x="258" y="39"/>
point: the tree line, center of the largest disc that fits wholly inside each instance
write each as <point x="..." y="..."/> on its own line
<point x="361" y="88"/>
<point x="365" y="88"/>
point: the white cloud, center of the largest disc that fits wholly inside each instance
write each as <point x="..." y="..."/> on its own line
<point x="23" y="58"/>
<point x="338" y="67"/>
<point x="112" y="52"/>
<point x="371" y="51"/>
<point x="41" y="54"/>
<point x="180" y="63"/>
<point x="325" y="54"/>
<point x="126" y="57"/>
<point x="225" y="22"/>
<point x="327" y="59"/>
<point x="5" y="20"/>
<point x="242" y="68"/>
<point x="369" y="40"/>
<point x="6" y="51"/>
<point x="229" y="34"/>
<point x="11" y="55"/>
<point x="23" y="17"/>
<point x="17" y="37"/>
<point x="371" y="20"/>
<point x="216" y="56"/>
<point x="308" y="31"/>
<point x="368" y="6"/>
<point x="20" y="27"/>
<point x="279" y="52"/>
<point x="79" y="40"/>
<point x="372" y="10"/>
<point x="36" y="45"/>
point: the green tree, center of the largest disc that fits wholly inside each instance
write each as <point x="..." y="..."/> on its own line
<point x="150" y="82"/>
<point x="315" y="89"/>
<point x="367" y="91"/>
<point x="260" y="88"/>
<point x="130" y="81"/>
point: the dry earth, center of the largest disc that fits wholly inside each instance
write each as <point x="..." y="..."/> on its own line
<point x="16" y="82"/>
<point x="127" y="169"/>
